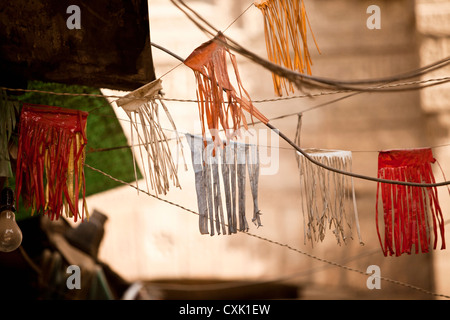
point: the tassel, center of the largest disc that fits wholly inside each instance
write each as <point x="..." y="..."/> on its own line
<point x="50" y="160"/>
<point x="285" y="27"/>
<point x="328" y="198"/>
<point x="220" y="104"/>
<point x="412" y="215"/>
<point x="142" y="109"/>
<point x="233" y="160"/>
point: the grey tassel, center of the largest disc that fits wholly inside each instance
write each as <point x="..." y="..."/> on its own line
<point x="252" y="154"/>
<point x="229" y="165"/>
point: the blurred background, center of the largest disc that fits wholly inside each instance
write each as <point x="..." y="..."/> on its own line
<point x="142" y="247"/>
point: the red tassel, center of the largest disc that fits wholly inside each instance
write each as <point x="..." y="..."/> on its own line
<point x="50" y="160"/>
<point x="412" y="215"/>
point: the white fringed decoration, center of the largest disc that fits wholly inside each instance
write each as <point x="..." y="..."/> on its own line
<point x="328" y="198"/>
<point x="229" y="165"/>
<point x="142" y="108"/>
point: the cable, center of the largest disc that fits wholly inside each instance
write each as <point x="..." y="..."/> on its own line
<point x="308" y="95"/>
<point x="297" y="148"/>
<point x="300" y="79"/>
<point x="289" y="141"/>
<point x="331" y="263"/>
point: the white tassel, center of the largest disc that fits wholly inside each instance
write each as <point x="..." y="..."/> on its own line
<point x="142" y="108"/>
<point x="328" y="198"/>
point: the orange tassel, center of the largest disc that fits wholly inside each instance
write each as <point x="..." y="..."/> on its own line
<point x="285" y="31"/>
<point x="219" y="102"/>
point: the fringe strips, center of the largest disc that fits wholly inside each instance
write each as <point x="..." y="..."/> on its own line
<point x="220" y="104"/>
<point x="328" y="198"/>
<point x="233" y="159"/>
<point x="412" y="215"/>
<point x="142" y="108"/>
<point x="285" y="29"/>
<point x="50" y="160"/>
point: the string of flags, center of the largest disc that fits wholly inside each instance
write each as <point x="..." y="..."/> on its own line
<point x="52" y="141"/>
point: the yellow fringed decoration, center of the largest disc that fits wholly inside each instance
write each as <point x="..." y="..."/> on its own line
<point x="285" y="29"/>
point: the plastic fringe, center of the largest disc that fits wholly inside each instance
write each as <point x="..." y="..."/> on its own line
<point x="50" y="161"/>
<point x="328" y="198"/>
<point x="285" y="30"/>
<point x="142" y="108"/>
<point x="220" y="104"/>
<point x="412" y="215"/>
<point x="233" y="160"/>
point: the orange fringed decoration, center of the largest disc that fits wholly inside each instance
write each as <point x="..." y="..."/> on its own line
<point x="285" y="29"/>
<point x="209" y="64"/>
<point x="50" y="160"/>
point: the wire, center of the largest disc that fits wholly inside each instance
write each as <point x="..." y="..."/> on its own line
<point x="237" y="18"/>
<point x="297" y="148"/>
<point x="331" y="263"/>
<point x="308" y="95"/>
<point x="302" y="80"/>
<point x="326" y="81"/>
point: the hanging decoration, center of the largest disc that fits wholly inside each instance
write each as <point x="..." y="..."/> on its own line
<point x="142" y="109"/>
<point x="412" y="216"/>
<point x="50" y="160"/>
<point x="220" y="104"/>
<point x="285" y="29"/>
<point x="328" y="198"/>
<point x="8" y="114"/>
<point x="233" y="160"/>
<point x="325" y="195"/>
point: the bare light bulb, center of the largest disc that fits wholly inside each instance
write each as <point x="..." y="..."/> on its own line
<point x="10" y="234"/>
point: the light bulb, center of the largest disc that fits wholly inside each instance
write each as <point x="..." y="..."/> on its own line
<point x="10" y="234"/>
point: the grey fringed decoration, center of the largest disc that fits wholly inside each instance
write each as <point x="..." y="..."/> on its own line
<point x="142" y="108"/>
<point x="328" y="198"/>
<point x="233" y="161"/>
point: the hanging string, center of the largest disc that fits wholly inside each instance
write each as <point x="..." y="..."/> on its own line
<point x="292" y="144"/>
<point x="276" y="242"/>
<point x="278" y="99"/>
<point x="237" y="18"/>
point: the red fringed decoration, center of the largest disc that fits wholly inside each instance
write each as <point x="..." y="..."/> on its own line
<point x="50" y="160"/>
<point x="411" y="214"/>
<point x="210" y="68"/>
